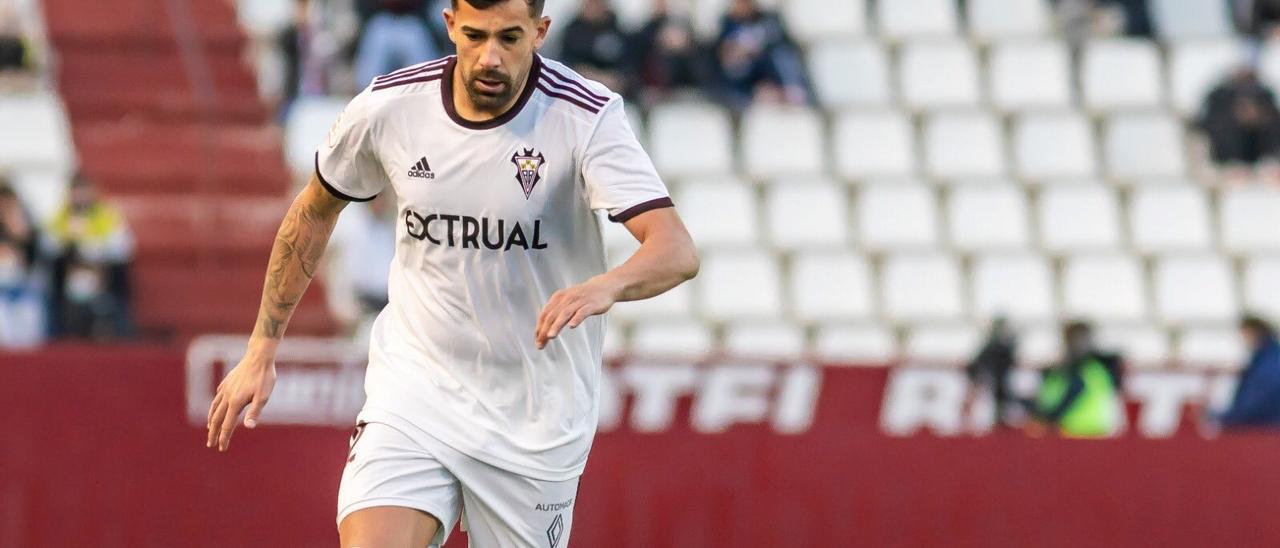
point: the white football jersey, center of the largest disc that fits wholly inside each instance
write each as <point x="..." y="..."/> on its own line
<point x="494" y="217"/>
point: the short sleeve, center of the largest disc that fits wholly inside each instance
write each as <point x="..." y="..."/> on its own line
<point x="346" y="163"/>
<point x="619" y="175"/>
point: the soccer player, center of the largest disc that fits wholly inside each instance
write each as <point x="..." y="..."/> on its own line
<point x="484" y="368"/>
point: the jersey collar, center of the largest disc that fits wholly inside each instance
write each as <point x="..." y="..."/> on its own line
<point x="447" y="96"/>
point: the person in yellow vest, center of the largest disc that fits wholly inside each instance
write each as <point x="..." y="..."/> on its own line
<point x="92" y="248"/>
<point x="1081" y="396"/>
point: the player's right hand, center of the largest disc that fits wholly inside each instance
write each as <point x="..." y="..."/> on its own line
<point x="249" y="384"/>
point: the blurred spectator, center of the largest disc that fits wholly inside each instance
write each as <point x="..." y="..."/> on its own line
<point x="307" y="59"/>
<point x="1081" y="395"/>
<point x="1080" y="20"/>
<point x="1136" y="16"/>
<point x="594" y="45"/>
<point x="22" y="305"/>
<point x="1242" y="122"/>
<point x="991" y="367"/>
<point x="16" y="223"/>
<point x="1257" y="18"/>
<point x="17" y="65"/>
<point x="394" y="35"/>
<point x="758" y="61"/>
<point x="1257" y="399"/>
<point x="92" y="248"/>
<point x="363" y="246"/>
<point x="667" y="56"/>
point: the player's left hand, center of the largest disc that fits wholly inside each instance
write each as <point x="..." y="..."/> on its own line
<point x="571" y="306"/>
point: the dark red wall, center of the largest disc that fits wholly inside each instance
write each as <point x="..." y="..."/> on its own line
<point x="97" y="452"/>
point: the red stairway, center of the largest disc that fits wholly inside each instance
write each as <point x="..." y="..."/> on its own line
<point x="166" y="118"/>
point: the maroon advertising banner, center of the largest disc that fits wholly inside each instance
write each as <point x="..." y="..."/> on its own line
<point x="105" y="447"/>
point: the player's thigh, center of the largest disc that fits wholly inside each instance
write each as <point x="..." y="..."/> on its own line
<point x="394" y="492"/>
<point x="506" y="510"/>
<point x="387" y="527"/>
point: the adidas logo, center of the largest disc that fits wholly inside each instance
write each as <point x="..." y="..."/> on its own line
<point x="422" y="170"/>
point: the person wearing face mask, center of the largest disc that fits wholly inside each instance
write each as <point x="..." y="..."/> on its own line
<point x="22" y="309"/>
<point x="89" y="234"/>
<point x="1080" y="397"/>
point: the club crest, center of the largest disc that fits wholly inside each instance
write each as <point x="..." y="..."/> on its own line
<point x="529" y="165"/>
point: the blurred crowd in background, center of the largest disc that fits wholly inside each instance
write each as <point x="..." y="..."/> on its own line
<point x="69" y="279"/>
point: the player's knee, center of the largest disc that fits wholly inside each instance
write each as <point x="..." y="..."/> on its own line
<point x="387" y="527"/>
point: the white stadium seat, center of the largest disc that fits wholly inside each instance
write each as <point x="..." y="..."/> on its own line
<point x="850" y="73"/>
<point x="42" y="191"/>
<point x="1141" y="346"/>
<point x="619" y="243"/>
<point x="1104" y="287"/>
<point x="264" y="18"/>
<point x="986" y="217"/>
<point x="921" y="287"/>
<point x="1054" y="145"/>
<point x="1144" y="145"/>
<point x="782" y="141"/>
<point x="1039" y="345"/>
<point x="959" y="145"/>
<point x="1211" y="348"/>
<point x="1261" y="295"/>
<point x="807" y="214"/>
<point x="767" y="340"/>
<point x="309" y="121"/>
<point x="1169" y="218"/>
<point x="636" y="119"/>
<point x="831" y="286"/>
<point x="1269" y="63"/>
<point x="632" y="14"/>
<point x="854" y="344"/>
<point x="1117" y="74"/>
<point x="1030" y="75"/>
<point x="691" y="138"/>
<point x="810" y="20"/>
<point x="682" y="339"/>
<point x="674" y="304"/>
<point x="1195" y="289"/>
<point x="897" y="215"/>
<point x="901" y="19"/>
<point x="739" y="285"/>
<point x="951" y="344"/>
<point x="1195" y="67"/>
<point x="874" y="144"/>
<point x="37" y="134"/>
<point x="1016" y="286"/>
<point x="1259" y="285"/>
<point x="1177" y="20"/>
<point x="615" y="341"/>
<point x="938" y="74"/>
<point x="724" y="212"/>
<point x="1003" y="19"/>
<point x="1248" y="218"/>
<point x="1079" y="217"/>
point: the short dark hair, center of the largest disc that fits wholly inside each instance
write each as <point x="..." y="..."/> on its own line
<point x="1255" y="323"/>
<point x="1077" y="328"/>
<point x="535" y="6"/>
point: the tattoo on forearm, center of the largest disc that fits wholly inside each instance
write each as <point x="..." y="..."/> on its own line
<point x="295" y="256"/>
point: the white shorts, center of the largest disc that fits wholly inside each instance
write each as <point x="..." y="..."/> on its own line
<point x="498" y="508"/>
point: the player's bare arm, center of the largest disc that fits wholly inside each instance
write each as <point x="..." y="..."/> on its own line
<point x="666" y="258"/>
<point x="298" y="248"/>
